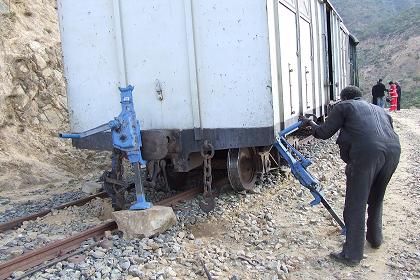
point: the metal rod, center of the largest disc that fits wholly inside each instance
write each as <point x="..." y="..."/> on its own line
<point x="86" y="133"/>
<point x="332" y="212"/>
<point x="137" y="179"/>
<point x="206" y="270"/>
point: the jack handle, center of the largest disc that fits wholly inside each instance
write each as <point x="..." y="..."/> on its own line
<point x="104" y="127"/>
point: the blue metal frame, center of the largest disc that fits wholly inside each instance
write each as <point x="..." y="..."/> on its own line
<point x="126" y="136"/>
<point x="298" y="164"/>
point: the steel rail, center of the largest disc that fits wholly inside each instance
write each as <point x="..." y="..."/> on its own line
<point x="52" y="250"/>
<point x="19" y="221"/>
<point x="59" y="249"/>
<point x="306" y="140"/>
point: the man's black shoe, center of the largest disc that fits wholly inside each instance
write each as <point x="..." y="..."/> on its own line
<point x="339" y="257"/>
<point x="374" y="245"/>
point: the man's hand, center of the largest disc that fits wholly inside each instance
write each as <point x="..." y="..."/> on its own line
<point x="305" y="122"/>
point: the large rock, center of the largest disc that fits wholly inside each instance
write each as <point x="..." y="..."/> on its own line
<point x="91" y="187"/>
<point x="145" y="223"/>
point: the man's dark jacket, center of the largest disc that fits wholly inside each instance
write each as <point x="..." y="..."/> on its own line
<point x="362" y="125"/>
<point x="378" y="90"/>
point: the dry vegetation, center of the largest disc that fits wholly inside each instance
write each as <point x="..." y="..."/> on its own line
<point x="389" y="34"/>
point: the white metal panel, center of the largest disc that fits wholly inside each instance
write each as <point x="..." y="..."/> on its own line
<point x="90" y="62"/>
<point x="289" y="62"/>
<point x="276" y="78"/>
<point x="155" y="54"/>
<point x="233" y="63"/>
<point x="157" y="58"/>
<point x="336" y="52"/>
<point x="317" y="39"/>
<point x="211" y="59"/>
<point x="342" y="59"/>
<point x="324" y="52"/>
<point x="344" y="44"/>
<point x="306" y="66"/>
<point x="305" y="8"/>
<point x="289" y="3"/>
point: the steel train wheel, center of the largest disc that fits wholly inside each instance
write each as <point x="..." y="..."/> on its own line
<point x="242" y="168"/>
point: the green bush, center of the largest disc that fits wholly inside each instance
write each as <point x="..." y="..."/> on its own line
<point x="410" y="99"/>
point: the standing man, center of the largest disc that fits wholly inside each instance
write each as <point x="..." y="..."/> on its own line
<point x="371" y="149"/>
<point x="378" y="93"/>
<point x="399" y="96"/>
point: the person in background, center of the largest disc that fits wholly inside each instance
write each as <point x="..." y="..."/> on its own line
<point x="378" y="94"/>
<point x="371" y="149"/>
<point x="399" y="96"/>
<point x="393" y="96"/>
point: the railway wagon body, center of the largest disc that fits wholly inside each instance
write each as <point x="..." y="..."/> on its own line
<point x="230" y="72"/>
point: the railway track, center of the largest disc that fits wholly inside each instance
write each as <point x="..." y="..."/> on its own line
<point x="19" y="221"/>
<point x="62" y="249"/>
<point x="57" y="251"/>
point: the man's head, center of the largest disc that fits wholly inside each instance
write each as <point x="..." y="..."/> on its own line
<point x="380" y="81"/>
<point x="391" y="83"/>
<point x="396" y="83"/>
<point x="350" y="92"/>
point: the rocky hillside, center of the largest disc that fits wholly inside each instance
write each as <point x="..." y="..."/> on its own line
<point x="32" y="98"/>
<point x="389" y="34"/>
<point x="32" y="88"/>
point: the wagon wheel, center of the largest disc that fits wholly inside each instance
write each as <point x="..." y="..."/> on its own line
<point x="242" y="168"/>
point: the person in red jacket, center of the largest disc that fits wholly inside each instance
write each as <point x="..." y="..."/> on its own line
<point x="394" y="96"/>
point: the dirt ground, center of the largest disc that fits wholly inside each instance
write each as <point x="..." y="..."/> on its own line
<point x="300" y="237"/>
<point x="275" y="234"/>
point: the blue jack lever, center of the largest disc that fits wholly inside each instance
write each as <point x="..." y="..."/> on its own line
<point x="298" y="164"/>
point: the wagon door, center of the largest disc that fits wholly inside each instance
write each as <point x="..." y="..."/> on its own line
<point x="306" y="60"/>
<point x="336" y="54"/>
<point x="316" y="56"/>
<point x="289" y="58"/>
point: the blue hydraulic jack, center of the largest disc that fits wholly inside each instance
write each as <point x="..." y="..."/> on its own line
<point x="298" y="164"/>
<point x="126" y="137"/>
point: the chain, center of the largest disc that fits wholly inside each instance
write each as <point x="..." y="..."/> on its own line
<point x="207" y="152"/>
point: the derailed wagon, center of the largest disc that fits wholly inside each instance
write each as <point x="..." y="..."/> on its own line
<point x="230" y="74"/>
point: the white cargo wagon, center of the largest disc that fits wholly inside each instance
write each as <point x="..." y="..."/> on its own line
<point x="230" y="72"/>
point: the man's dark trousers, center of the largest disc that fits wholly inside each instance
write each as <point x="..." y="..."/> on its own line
<point x="368" y="172"/>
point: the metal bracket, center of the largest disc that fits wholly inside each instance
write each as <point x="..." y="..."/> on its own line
<point x="158" y="88"/>
<point x="292" y="112"/>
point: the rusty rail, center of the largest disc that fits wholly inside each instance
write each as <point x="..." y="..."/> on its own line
<point x="306" y="140"/>
<point x="60" y="248"/>
<point x="52" y="250"/>
<point x="19" y="221"/>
